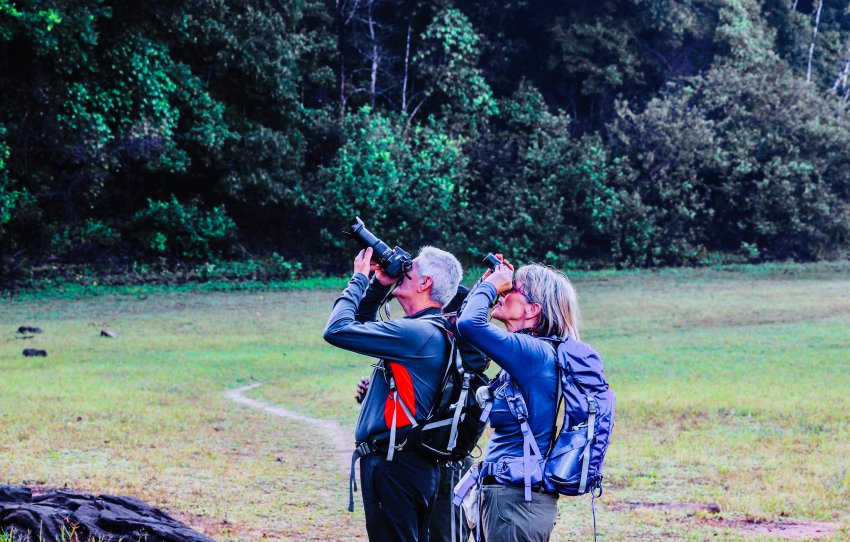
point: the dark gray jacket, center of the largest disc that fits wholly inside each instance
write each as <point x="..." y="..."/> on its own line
<point x="418" y="350"/>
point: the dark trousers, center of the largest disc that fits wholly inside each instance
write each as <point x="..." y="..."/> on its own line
<point x="441" y="519"/>
<point x="398" y="495"/>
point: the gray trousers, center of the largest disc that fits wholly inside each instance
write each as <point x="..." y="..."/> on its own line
<point x="506" y="517"/>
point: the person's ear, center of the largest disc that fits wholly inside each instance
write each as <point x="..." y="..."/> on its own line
<point x="426" y="283"/>
<point x="533" y="310"/>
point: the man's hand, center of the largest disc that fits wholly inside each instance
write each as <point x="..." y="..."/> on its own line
<point x="382" y="276"/>
<point x="363" y="264"/>
<point x="363" y="261"/>
<point x="362" y="388"/>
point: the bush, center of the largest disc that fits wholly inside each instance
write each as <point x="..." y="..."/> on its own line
<point x="406" y="182"/>
<point x="180" y="231"/>
<point x="779" y="184"/>
<point x="273" y="268"/>
<point x="90" y="239"/>
<point x="665" y="150"/>
<point x="517" y="206"/>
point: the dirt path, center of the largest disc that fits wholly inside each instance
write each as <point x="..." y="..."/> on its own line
<point x="340" y="440"/>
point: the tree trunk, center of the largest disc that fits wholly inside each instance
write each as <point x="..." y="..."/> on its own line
<point x="812" y="46"/>
<point x="373" y="83"/>
<point x="340" y="46"/>
<point x="841" y="80"/>
<point x="406" y="70"/>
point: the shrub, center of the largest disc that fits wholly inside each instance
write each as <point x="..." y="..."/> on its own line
<point x="180" y="231"/>
<point x="406" y="182"/>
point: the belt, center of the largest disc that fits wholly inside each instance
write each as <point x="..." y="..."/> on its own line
<point x="492" y="481"/>
<point x="381" y="441"/>
<point x="376" y="444"/>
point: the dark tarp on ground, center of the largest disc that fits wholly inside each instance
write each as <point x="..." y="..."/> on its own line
<point x="107" y="518"/>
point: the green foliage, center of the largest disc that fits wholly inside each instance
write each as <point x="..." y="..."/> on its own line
<point x="448" y="58"/>
<point x="781" y="184"/>
<point x="11" y="200"/>
<point x="711" y="171"/>
<point x="407" y="181"/>
<point x="184" y="231"/>
<point x="250" y="46"/>
<point x="245" y="64"/>
<point x="274" y="268"/>
<point x="7" y="196"/>
<point x="625" y="133"/>
<point x="665" y="150"/>
<point x="609" y="219"/>
<point x="91" y="238"/>
<point x="742" y="39"/>
<point x="266" y="165"/>
<point x="519" y="208"/>
<point x="599" y="54"/>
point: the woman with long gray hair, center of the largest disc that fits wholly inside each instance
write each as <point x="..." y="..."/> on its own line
<point x="535" y="304"/>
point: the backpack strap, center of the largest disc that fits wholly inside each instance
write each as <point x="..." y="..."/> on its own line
<point x="495" y="385"/>
<point x="361" y="450"/>
<point x="440" y="322"/>
<point x="530" y="450"/>
<point x="591" y="429"/>
<point x="556" y="343"/>
<point x="455" y="360"/>
<point x="461" y="401"/>
<point x="473" y="477"/>
<point x="564" y="373"/>
<point x="397" y="400"/>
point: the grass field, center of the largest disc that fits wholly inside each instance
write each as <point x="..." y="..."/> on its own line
<point x="733" y="418"/>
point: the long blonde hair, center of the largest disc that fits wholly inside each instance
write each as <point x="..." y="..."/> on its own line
<point x="559" y="314"/>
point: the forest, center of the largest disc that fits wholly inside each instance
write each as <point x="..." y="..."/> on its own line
<point x="618" y="133"/>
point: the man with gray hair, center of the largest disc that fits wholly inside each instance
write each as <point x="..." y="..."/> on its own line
<point x="399" y="485"/>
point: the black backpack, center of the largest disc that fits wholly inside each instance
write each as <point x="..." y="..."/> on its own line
<point x="453" y="426"/>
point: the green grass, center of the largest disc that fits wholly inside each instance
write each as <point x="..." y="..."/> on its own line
<point x="732" y="390"/>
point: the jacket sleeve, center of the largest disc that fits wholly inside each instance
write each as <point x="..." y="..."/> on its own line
<point x="519" y="354"/>
<point x="371" y="302"/>
<point x="376" y="339"/>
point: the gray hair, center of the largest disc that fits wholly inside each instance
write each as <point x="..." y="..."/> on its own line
<point x="445" y="272"/>
<point x="559" y="313"/>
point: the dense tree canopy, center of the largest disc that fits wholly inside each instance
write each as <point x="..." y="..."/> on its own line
<point x="627" y="133"/>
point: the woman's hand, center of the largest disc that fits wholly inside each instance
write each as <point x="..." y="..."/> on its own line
<point x="487" y="273"/>
<point x="502" y="278"/>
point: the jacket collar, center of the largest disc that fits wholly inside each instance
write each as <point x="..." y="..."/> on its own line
<point x="426" y="312"/>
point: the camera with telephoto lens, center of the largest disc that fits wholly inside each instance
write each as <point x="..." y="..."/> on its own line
<point x="394" y="261"/>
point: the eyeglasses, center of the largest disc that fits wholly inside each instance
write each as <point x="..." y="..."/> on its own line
<point x="515" y="288"/>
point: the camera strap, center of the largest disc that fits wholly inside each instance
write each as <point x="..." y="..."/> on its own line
<point x="385" y="303"/>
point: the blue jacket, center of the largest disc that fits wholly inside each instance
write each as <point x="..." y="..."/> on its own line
<point x="531" y="364"/>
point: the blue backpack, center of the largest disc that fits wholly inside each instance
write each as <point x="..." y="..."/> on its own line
<point x="573" y="464"/>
